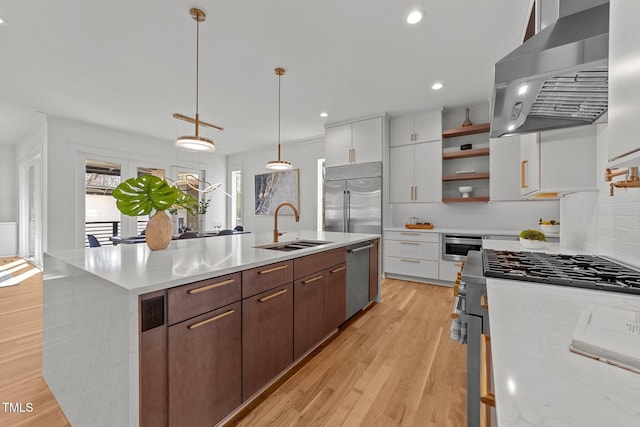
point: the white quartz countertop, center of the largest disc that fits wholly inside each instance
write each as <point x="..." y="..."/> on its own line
<point x="136" y="268"/>
<point x="538" y="381"/>
<point x="514" y="245"/>
<point x="472" y="231"/>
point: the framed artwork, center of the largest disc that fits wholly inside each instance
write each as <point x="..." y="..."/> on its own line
<point x="274" y="188"/>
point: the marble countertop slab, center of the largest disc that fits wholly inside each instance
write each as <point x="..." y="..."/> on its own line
<point x="538" y="381"/>
<point x="136" y="268"/>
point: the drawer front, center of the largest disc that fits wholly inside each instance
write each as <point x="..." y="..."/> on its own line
<point x="187" y="301"/>
<point x="310" y="264"/>
<point x="263" y="278"/>
<point x="411" y="249"/>
<point x="449" y="270"/>
<point x="411" y="235"/>
<point x="411" y="267"/>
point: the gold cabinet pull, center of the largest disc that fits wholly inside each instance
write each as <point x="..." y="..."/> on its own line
<point x="483" y="302"/>
<point x="271" y="270"/>
<point x="209" y="287"/>
<point x="409" y="233"/>
<point x="213" y="319"/>
<point x="313" y="279"/>
<point x="486" y="397"/>
<point x="523" y="179"/>
<point x="337" y="270"/>
<point x="277" y="294"/>
<point x="409" y="260"/>
<point x="410" y="243"/>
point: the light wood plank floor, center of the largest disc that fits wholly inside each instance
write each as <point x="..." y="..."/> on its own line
<point x="394" y="366"/>
<point x="21" y="356"/>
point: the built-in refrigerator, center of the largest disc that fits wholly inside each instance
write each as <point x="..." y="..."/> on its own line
<point x="353" y="198"/>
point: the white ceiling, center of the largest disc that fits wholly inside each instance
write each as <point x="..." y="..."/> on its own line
<point x="131" y="64"/>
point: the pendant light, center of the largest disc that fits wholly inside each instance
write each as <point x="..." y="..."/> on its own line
<point x="279" y="165"/>
<point x="196" y="143"/>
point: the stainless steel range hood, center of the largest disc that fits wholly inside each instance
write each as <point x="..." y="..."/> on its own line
<point x="558" y="78"/>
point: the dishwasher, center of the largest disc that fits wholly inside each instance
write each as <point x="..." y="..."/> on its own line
<point x="357" y="277"/>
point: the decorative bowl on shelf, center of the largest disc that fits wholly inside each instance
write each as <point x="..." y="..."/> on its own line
<point x="550" y="228"/>
<point x="531" y="244"/>
<point x="465" y="191"/>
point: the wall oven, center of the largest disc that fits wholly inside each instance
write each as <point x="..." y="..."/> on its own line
<point x="456" y="246"/>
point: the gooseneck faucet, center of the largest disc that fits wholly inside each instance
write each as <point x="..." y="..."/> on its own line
<point x="275" y="219"/>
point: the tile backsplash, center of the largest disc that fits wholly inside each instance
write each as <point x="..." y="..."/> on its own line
<point x="597" y="223"/>
<point x="509" y="216"/>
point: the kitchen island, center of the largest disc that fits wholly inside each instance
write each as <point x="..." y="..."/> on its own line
<point x="538" y="381"/>
<point x="92" y="316"/>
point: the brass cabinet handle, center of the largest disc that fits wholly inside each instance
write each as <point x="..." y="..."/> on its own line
<point x="409" y="233"/>
<point x="410" y="243"/>
<point x="483" y="302"/>
<point x="410" y="260"/>
<point x="523" y="179"/>
<point x="313" y="279"/>
<point x="353" y="151"/>
<point x="486" y="397"/>
<point x="271" y="270"/>
<point x="337" y="270"/>
<point x="209" y="287"/>
<point x="415" y="192"/>
<point x="213" y="319"/>
<point x="277" y="294"/>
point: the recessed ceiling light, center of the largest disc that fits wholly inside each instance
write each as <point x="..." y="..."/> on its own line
<point x="414" y="17"/>
<point x="511" y="127"/>
<point x="523" y="89"/>
<point x="324" y="114"/>
<point x="2" y="21"/>
<point x="437" y="86"/>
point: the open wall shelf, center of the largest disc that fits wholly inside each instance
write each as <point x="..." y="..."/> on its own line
<point x="466" y="130"/>
<point x="462" y="154"/>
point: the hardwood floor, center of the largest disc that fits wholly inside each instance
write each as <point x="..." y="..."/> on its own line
<point x="393" y="366"/>
<point x="21" y="379"/>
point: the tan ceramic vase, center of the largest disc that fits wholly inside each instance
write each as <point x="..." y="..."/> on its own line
<point x="159" y="231"/>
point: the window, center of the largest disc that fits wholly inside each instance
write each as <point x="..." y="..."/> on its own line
<point x="236" y="198"/>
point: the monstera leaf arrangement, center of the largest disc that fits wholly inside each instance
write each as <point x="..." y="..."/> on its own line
<point x="141" y="195"/>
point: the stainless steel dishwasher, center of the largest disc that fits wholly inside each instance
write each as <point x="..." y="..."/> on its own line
<point x="357" y="277"/>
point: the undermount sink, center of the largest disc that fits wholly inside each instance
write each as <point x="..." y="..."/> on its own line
<point x="293" y="245"/>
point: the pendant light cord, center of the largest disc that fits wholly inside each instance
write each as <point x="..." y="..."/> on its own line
<point x="279" y="91"/>
<point x="197" y="72"/>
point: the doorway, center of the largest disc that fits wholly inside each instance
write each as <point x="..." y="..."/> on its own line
<point x="30" y="229"/>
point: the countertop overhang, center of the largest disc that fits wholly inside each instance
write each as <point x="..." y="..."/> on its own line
<point x="139" y="270"/>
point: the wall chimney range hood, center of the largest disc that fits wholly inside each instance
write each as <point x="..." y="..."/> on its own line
<point x="559" y="77"/>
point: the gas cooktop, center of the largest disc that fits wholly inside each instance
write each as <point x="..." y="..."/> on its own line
<point x="582" y="271"/>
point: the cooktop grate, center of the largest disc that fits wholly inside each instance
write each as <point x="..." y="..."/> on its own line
<point x="582" y="271"/>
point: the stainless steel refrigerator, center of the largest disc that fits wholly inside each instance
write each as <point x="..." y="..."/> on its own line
<point x="353" y="198"/>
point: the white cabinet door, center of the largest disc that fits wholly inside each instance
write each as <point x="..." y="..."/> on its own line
<point x="366" y="139"/>
<point x="401" y="174"/>
<point x="401" y="130"/>
<point x="504" y="168"/>
<point x="449" y="270"/>
<point x="428" y="126"/>
<point x="624" y="82"/>
<point x="529" y="164"/>
<point x="337" y="143"/>
<point x="427" y="167"/>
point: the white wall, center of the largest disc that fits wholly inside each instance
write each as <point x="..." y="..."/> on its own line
<point x="304" y="156"/>
<point x="70" y="142"/>
<point x="9" y="184"/>
<point x="598" y="223"/>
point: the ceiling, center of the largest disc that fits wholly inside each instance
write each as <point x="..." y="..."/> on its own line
<point x="131" y="64"/>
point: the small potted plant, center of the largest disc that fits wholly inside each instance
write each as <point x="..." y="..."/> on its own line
<point x="550" y="226"/>
<point x="141" y="195"/>
<point x="532" y="239"/>
<point x="203" y="207"/>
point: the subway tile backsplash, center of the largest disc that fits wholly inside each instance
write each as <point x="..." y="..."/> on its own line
<point x="598" y="223"/>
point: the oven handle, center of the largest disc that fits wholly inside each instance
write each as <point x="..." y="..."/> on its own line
<point x="467" y="241"/>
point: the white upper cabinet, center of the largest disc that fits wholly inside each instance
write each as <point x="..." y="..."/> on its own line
<point x="559" y="161"/>
<point x="358" y="142"/>
<point x="504" y="168"/>
<point x="416" y="173"/>
<point x="624" y="82"/>
<point x="418" y="127"/>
